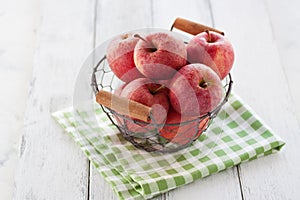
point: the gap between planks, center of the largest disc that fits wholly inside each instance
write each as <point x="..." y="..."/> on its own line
<point x="237" y="168"/>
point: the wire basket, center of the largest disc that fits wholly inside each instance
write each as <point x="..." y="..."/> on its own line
<point x="146" y="134"/>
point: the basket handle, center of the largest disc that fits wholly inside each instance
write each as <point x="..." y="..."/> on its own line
<point x="192" y="27"/>
<point x="123" y="105"/>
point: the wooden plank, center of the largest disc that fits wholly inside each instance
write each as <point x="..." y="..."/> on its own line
<point x="224" y="185"/>
<point x="260" y="81"/>
<point x="165" y="12"/>
<point x="115" y="17"/>
<point x="51" y="165"/>
<point x="14" y="20"/>
<point x="285" y="17"/>
<point x="99" y="188"/>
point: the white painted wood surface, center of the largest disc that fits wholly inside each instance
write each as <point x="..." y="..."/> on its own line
<point x="264" y="76"/>
<point x="51" y="165"/>
<point x="261" y="81"/>
<point x="16" y="60"/>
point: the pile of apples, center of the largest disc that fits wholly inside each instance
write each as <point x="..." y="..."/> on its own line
<point x="179" y="81"/>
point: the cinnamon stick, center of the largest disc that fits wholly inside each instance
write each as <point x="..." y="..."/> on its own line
<point x="124" y="106"/>
<point x="192" y="27"/>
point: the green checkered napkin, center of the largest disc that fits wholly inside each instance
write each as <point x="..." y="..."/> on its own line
<point x="236" y="135"/>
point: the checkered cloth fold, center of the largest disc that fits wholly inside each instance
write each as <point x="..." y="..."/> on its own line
<point x="236" y="135"/>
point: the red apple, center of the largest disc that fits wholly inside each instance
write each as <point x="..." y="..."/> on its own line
<point x="118" y="92"/>
<point x="159" y="55"/>
<point x="202" y="126"/>
<point x="165" y="82"/>
<point x="151" y="94"/>
<point x="182" y="129"/>
<point x="120" y="57"/>
<point x="212" y="49"/>
<point x="119" y="89"/>
<point x="195" y="90"/>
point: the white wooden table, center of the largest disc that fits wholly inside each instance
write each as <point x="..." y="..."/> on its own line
<point x="266" y="75"/>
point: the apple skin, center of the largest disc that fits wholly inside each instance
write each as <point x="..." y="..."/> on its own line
<point x="182" y="129"/>
<point x="195" y="90"/>
<point x="119" y="89"/>
<point x="151" y="94"/>
<point x="120" y="57"/>
<point x="202" y="126"/>
<point x="212" y="49"/>
<point x="161" y="56"/>
<point x="118" y="92"/>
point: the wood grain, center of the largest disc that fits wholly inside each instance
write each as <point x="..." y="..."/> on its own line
<point x="284" y="16"/>
<point x="16" y="60"/>
<point x="260" y="80"/>
<point x="124" y="106"/>
<point x="51" y="165"/>
<point x="192" y="27"/>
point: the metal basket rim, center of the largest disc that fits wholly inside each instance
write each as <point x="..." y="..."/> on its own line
<point x="210" y="114"/>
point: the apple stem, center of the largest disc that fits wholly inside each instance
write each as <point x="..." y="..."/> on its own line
<point x="209" y="37"/>
<point x="159" y="88"/>
<point x="203" y="84"/>
<point x="140" y="37"/>
<point x="152" y="48"/>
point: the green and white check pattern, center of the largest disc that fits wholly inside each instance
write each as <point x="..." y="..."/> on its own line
<point x="236" y="135"/>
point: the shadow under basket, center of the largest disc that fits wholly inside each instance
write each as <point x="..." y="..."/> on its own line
<point x="147" y="134"/>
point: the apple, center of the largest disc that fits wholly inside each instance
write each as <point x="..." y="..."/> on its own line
<point x="159" y="55"/>
<point x="212" y="49"/>
<point x="202" y="126"/>
<point x="145" y="91"/>
<point x="120" y="57"/>
<point x="195" y="90"/>
<point x="118" y="92"/>
<point x="165" y="82"/>
<point x="182" y="129"/>
<point x="119" y="89"/>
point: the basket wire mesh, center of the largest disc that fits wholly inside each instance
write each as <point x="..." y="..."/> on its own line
<point x="149" y="135"/>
